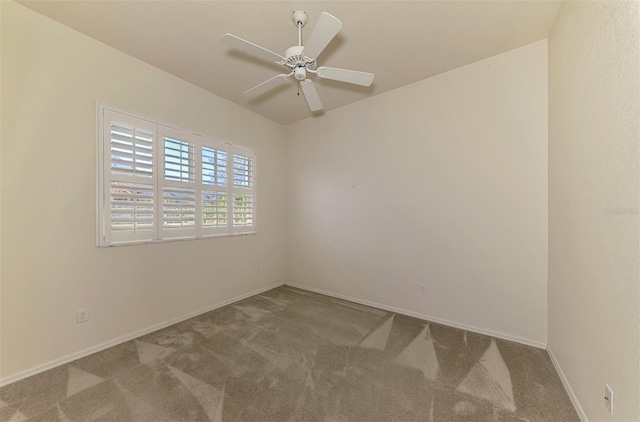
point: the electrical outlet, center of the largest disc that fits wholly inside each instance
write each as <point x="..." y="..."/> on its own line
<point x="608" y="398"/>
<point x="423" y="289"/>
<point x="258" y="271"/>
<point x="83" y="315"/>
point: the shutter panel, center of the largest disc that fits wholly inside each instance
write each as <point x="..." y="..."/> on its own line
<point x="131" y="150"/>
<point x="179" y="161"/>
<point x="128" y="205"/>
<point x="243" y="190"/>
<point x="215" y="197"/>
<point x="242" y="171"/>
<point x="214" y="166"/>
<point x="178" y="184"/>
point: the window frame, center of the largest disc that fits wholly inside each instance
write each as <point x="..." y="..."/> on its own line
<point x="159" y="233"/>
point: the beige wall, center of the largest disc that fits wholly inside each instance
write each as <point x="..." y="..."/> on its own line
<point x="51" y="78"/>
<point x="594" y="225"/>
<point x="442" y="182"/>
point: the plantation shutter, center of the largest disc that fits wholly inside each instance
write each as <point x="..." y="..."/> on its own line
<point x="214" y="176"/>
<point x="243" y="189"/>
<point x="128" y="192"/>
<point x="157" y="182"/>
<point x="177" y="183"/>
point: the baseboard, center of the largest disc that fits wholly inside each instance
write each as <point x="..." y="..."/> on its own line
<point x="567" y="386"/>
<point x="478" y="330"/>
<point x="86" y="352"/>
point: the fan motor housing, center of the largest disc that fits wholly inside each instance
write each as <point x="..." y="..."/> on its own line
<point x="295" y="58"/>
<point x="300" y="73"/>
<point x="294" y="52"/>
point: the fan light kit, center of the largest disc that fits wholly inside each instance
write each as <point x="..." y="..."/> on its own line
<point x="300" y="60"/>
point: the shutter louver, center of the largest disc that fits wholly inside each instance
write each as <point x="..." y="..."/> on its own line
<point x="242" y="210"/>
<point x="178" y="160"/>
<point x="131" y="151"/>
<point x="242" y="171"/>
<point x="178" y="208"/>
<point x="214" y="209"/>
<point x="214" y="166"/>
<point x="131" y="207"/>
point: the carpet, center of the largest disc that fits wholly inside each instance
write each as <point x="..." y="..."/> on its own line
<point x="292" y="355"/>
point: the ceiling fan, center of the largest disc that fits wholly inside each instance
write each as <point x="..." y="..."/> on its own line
<point x="300" y="60"/>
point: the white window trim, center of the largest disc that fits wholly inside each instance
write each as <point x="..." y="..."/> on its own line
<point x="103" y="175"/>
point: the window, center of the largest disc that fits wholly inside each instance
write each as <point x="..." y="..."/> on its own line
<point x="157" y="182"/>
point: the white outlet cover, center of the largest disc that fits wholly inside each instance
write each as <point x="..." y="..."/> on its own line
<point x="608" y="398"/>
<point x="83" y="315"/>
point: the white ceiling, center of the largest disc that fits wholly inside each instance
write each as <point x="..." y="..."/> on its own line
<point x="400" y="41"/>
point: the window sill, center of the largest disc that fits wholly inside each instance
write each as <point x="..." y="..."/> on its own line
<point x="175" y="239"/>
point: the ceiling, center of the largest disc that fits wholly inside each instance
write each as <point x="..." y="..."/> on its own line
<point x="400" y="41"/>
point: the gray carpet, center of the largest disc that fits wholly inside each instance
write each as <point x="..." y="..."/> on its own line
<point x="292" y="355"/>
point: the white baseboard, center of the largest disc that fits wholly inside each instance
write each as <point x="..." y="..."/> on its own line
<point x="86" y="352"/>
<point x="567" y="386"/>
<point x="495" y="334"/>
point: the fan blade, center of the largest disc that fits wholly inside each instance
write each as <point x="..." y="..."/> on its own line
<point x="310" y="93"/>
<point x="251" y="48"/>
<point x="324" y="31"/>
<point x="345" y="75"/>
<point x="267" y="85"/>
